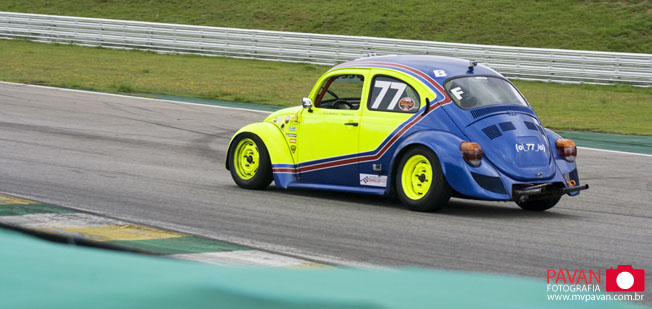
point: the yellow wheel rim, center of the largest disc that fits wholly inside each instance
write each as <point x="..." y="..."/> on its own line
<point x="245" y="159"/>
<point x="416" y="177"/>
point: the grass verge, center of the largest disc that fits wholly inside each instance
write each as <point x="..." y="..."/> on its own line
<point x="614" y="109"/>
<point x="611" y="25"/>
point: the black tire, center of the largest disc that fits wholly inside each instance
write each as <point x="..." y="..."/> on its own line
<point x="539" y="205"/>
<point x="439" y="192"/>
<point x="263" y="175"/>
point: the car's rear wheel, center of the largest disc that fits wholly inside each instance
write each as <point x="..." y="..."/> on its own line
<point x="420" y="183"/>
<point x="539" y="205"/>
<point x="249" y="162"/>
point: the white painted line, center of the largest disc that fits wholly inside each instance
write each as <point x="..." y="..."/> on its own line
<point x="236" y="108"/>
<point x="62" y="220"/>
<point x="618" y="152"/>
<point x="134" y="97"/>
<point x="244" y="258"/>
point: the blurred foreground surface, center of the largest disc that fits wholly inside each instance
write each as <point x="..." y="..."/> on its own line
<point x="37" y="273"/>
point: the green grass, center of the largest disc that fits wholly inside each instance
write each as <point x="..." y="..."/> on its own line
<point x="145" y="72"/>
<point x="610" y="109"/>
<point x="616" y="25"/>
<point x="623" y="25"/>
<point x="616" y="109"/>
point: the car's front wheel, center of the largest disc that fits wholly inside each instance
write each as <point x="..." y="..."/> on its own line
<point x="249" y="162"/>
<point x="420" y="182"/>
<point x="539" y="205"/>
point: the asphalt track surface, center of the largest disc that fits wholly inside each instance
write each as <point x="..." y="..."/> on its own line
<point x="162" y="163"/>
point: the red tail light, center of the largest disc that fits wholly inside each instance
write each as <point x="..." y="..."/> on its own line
<point x="566" y="149"/>
<point x="472" y="153"/>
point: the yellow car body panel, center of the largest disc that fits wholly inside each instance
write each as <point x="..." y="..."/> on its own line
<point x="376" y="125"/>
<point x="329" y="133"/>
<point x="272" y="137"/>
<point x="330" y="136"/>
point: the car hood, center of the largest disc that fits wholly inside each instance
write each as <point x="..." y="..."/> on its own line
<point x="511" y="138"/>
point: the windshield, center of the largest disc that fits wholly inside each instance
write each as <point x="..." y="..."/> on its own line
<point x="477" y="91"/>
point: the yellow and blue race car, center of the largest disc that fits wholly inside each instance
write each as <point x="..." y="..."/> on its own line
<point x="424" y="128"/>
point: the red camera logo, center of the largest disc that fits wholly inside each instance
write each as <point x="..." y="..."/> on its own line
<point x="625" y="279"/>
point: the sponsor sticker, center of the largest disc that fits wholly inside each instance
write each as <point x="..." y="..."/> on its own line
<point x="290" y="135"/>
<point x="293" y="148"/>
<point x="406" y="104"/>
<point x="287" y="118"/>
<point x="292" y="140"/>
<point x="292" y="128"/>
<point x="373" y="180"/>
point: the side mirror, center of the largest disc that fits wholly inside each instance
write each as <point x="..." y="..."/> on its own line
<point x="307" y="103"/>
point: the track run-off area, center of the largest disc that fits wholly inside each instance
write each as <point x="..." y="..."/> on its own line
<point x="161" y="163"/>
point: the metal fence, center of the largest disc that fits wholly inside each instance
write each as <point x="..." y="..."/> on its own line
<point x="554" y="65"/>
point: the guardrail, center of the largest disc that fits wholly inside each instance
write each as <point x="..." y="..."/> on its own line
<point x="552" y="65"/>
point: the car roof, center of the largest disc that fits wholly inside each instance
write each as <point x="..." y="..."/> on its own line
<point x="417" y="65"/>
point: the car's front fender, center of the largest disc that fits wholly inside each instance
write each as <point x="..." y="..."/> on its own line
<point x="272" y="137"/>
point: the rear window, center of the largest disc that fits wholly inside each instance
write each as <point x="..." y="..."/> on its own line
<point x="477" y="91"/>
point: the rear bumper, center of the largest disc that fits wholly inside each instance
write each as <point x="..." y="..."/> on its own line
<point x="487" y="182"/>
<point x="544" y="191"/>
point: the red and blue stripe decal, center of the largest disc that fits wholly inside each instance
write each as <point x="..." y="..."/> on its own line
<point x="376" y="154"/>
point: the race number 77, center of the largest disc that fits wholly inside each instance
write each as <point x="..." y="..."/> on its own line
<point x="384" y="86"/>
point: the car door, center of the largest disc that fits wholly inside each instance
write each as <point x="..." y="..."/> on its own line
<point x="394" y="99"/>
<point x="330" y="130"/>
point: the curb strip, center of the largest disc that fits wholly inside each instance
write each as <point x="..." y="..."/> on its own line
<point x="60" y="221"/>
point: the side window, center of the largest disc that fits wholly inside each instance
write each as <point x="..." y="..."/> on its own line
<point x="341" y="92"/>
<point x="393" y="95"/>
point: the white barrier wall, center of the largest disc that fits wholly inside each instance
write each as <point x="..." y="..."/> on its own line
<point x="554" y="65"/>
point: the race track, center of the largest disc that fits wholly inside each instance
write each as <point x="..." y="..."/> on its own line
<point x="162" y="163"/>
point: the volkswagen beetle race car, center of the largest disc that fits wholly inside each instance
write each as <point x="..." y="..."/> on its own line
<point x="422" y="127"/>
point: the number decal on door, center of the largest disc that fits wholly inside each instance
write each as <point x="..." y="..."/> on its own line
<point x="390" y="94"/>
<point x="384" y="87"/>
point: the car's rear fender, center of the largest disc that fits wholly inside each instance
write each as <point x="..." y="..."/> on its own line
<point x="567" y="169"/>
<point x="272" y="137"/>
<point x="456" y="171"/>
